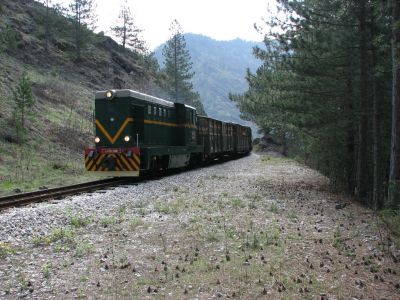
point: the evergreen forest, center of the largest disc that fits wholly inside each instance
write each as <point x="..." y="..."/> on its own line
<point x="328" y="91"/>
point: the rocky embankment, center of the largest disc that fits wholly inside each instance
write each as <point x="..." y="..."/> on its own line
<point x="258" y="227"/>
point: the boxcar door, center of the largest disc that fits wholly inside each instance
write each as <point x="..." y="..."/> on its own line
<point x="138" y="123"/>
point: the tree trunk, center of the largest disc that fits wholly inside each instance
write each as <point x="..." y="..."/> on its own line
<point x="376" y="146"/>
<point x="176" y="68"/>
<point x="377" y="187"/>
<point x="350" y="136"/>
<point x="394" y="174"/>
<point x="361" y="177"/>
<point x="124" y="29"/>
<point x="78" y="30"/>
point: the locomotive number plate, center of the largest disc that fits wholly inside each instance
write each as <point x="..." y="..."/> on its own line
<point x="108" y="151"/>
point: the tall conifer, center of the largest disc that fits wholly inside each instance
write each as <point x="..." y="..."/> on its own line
<point x="84" y="16"/>
<point x="178" y="69"/>
<point x="128" y="32"/>
<point x="315" y="89"/>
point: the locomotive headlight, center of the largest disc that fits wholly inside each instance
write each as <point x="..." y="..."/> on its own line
<point x="127" y="138"/>
<point x="109" y="95"/>
<point x="97" y="140"/>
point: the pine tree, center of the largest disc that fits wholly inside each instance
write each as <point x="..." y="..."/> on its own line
<point x="178" y="69"/>
<point x="324" y="86"/>
<point x="24" y="101"/>
<point x="128" y="32"/>
<point x="8" y="39"/>
<point x="47" y="22"/>
<point x="84" y="17"/>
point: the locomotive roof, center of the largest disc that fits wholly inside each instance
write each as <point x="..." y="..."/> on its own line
<point x="138" y="95"/>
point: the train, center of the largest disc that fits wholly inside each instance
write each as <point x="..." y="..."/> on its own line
<point x="136" y="133"/>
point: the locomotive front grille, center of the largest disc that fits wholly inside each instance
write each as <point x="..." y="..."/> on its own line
<point x="108" y="160"/>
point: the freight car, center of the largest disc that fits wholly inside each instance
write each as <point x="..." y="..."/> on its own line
<point x="136" y="133"/>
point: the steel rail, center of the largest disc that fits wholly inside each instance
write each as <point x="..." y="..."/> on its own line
<point x="57" y="193"/>
<point x="54" y="193"/>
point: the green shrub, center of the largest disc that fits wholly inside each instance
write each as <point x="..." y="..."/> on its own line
<point x="8" y="39"/>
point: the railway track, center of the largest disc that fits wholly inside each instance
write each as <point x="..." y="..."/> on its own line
<point x="59" y="192"/>
<point x="56" y="193"/>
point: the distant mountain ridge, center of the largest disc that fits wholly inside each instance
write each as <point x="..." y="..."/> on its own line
<point x="220" y="68"/>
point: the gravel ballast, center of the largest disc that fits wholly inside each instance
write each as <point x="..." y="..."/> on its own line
<point x="256" y="227"/>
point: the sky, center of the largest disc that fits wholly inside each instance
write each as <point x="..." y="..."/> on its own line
<point x="218" y="19"/>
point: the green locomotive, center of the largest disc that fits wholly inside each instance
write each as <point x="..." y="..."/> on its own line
<point x="136" y="133"/>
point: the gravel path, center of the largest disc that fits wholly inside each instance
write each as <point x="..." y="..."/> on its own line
<point x="257" y="227"/>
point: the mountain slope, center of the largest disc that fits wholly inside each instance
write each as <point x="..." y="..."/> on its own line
<point x="61" y="123"/>
<point x="220" y="68"/>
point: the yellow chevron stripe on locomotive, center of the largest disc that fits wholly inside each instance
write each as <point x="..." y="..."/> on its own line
<point x="112" y="161"/>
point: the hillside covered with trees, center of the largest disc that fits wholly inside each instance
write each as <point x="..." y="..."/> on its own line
<point x="51" y="63"/>
<point x="328" y="88"/>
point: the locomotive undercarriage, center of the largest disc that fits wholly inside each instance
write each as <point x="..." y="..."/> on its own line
<point x="133" y="161"/>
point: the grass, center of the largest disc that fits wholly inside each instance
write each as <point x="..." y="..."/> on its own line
<point x="212" y="234"/>
<point x="50" y="157"/>
<point x="173" y="207"/>
<point x="46" y="270"/>
<point x="252" y="205"/>
<point x="341" y="246"/>
<point x="255" y="241"/>
<point x="292" y="216"/>
<point x="273" y="160"/>
<point x="272" y="234"/>
<point x="230" y="232"/>
<point x="84" y="248"/>
<point x="274" y="208"/>
<point x="23" y="281"/>
<point x="39" y="167"/>
<point x="5" y="250"/>
<point x="134" y="223"/>
<point x="338" y="242"/>
<point x="391" y="218"/>
<point x="162" y="207"/>
<point x="220" y="177"/>
<point x="64" y="235"/>
<point x="79" y="221"/>
<point x="142" y="211"/>
<point x="238" y="203"/>
<point x="65" y="239"/>
<point x="107" y="221"/>
<point x="7" y="185"/>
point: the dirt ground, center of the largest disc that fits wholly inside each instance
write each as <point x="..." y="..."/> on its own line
<point x="261" y="227"/>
